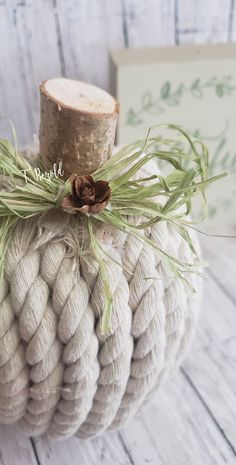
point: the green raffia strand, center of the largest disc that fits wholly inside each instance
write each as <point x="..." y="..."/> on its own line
<point x="132" y="194"/>
<point x="108" y="298"/>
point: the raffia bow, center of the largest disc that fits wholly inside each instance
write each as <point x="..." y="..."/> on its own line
<point x="114" y="192"/>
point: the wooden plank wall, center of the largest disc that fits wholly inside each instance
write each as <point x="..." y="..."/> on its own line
<point x="44" y="38"/>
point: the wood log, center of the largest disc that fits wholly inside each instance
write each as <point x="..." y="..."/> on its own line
<point x="77" y="127"/>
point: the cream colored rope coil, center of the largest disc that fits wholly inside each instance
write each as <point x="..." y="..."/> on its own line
<point x="58" y="373"/>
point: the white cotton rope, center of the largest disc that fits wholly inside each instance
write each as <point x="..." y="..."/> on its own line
<point x="58" y="373"/>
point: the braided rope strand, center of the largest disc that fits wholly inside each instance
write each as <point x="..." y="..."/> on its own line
<point x="58" y="373"/>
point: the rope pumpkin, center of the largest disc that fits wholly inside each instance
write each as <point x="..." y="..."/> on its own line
<point x="58" y="373"/>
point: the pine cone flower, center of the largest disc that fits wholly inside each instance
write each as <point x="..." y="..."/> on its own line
<point x="87" y="195"/>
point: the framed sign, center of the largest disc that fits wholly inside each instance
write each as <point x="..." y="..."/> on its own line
<point x="194" y="86"/>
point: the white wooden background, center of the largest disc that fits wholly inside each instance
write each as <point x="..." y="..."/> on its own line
<point x="45" y="38"/>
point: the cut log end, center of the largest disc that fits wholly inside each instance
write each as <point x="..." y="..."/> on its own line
<point x="79" y="96"/>
<point x="78" y="123"/>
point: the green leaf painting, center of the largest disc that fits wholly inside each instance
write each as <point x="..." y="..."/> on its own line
<point x="169" y="96"/>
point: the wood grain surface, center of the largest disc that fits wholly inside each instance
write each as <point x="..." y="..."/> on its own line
<point x="40" y="39"/>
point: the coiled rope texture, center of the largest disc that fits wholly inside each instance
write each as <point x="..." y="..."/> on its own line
<point x="58" y="374"/>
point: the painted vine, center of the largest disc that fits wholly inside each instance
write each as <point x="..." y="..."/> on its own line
<point x="168" y="96"/>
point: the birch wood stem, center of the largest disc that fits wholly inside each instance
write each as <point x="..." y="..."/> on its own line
<point x="78" y="123"/>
